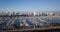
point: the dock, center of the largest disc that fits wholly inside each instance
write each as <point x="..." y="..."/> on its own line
<point x="35" y="29"/>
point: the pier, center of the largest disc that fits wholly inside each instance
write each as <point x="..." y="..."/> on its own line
<point x="36" y="29"/>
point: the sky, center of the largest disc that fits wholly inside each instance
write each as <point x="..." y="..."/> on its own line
<point x="29" y="5"/>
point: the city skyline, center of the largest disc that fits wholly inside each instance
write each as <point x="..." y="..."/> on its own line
<point x="29" y="5"/>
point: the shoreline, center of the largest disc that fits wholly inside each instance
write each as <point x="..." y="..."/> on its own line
<point x="36" y="29"/>
<point x="29" y="16"/>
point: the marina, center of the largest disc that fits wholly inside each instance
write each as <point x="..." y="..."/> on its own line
<point x="27" y="22"/>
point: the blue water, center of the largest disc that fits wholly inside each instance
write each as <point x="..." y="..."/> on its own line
<point x="5" y="21"/>
<point x="29" y="22"/>
<point x="16" y="22"/>
<point x="56" y="20"/>
<point x="1" y="26"/>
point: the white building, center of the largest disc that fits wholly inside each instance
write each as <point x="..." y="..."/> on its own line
<point x="50" y="14"/>
<point x="34" y="13"/>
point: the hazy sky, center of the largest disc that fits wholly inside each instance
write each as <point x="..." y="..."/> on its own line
<point x="29" y="5"/>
